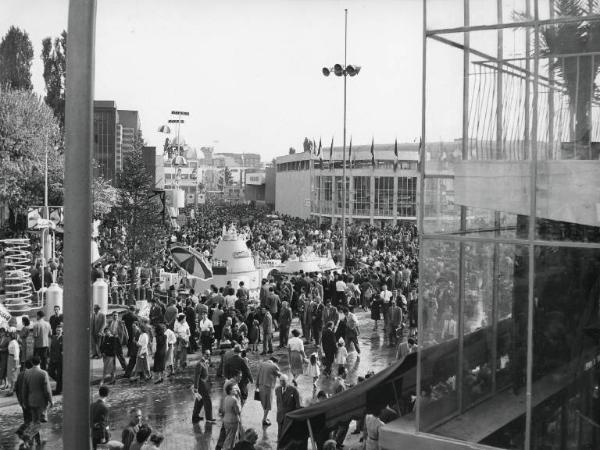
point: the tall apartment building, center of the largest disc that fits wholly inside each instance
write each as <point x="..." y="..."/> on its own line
<point x="114" y="132"/>
<point x="130" y="121"/>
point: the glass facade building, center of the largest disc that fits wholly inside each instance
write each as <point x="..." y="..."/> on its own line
<point x="509" y="218"/>
<point x="380" y="188"/>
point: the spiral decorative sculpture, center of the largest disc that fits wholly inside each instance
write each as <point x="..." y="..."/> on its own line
<point x="17" y="282"/>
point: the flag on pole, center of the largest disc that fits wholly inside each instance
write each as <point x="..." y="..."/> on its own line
<point x="395" y="155"/>
<point x="373" y="152"/>
<point x="331" y="155"/>
<point x="350" y="153"/>
<point x="314" y="147"/>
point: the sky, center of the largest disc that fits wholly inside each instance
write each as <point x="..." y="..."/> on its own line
<point x="249" y="71"/>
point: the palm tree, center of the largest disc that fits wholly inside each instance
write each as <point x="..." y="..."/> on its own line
<point x="578" y="72"/>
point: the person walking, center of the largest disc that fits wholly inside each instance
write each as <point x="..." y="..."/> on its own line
<point x="285" y="321"/>
<point x="119" y="330"/>
<point x="37" y="394"/>
<point x="296" y="355"/>
<point x="235" y="363"/>
<point x="267" y="328"/>
<point x="42" y="331"/>
<point x="12" y="363"/>
<point x="207" y="332"/>
<point x="160" y="355"/>
<point x="97" y="325"/>
<point x="201" y="389"/>
<point x="55" y="368"/>
<point x="268" y="371"/>
<point x="142" y="365"/>
<point x="232" y="416"/>
<point x="108" y="351"/>
<point x="329" y="347"/>
<point x="99" y="419"/>
<point x="288" y="400"/>
<point x="182" y="331"/>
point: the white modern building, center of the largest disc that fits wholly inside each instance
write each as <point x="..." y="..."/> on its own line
<point x="381" y="187"/>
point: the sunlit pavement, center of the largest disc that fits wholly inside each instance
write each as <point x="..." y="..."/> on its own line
<point x="168" y="407"/>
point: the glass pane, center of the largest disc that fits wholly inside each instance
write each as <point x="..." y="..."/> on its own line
<point x="440" y="214"/>
<point x="438" y="285"/>
<point x="478" y="351"/>
<point x="565" y="348"/>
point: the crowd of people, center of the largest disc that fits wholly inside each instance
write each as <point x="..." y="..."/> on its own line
<point x="313" y="317"/>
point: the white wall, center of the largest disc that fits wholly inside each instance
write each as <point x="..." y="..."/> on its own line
<point x="292" y="193"/>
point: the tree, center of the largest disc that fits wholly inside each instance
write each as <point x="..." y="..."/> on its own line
<point x="104" y="195"/>
<point x="139" y="213"/>
<point x="577" y="72"/>
<point x="292" y="151"/>
<point x="16" y="54"/>
<point x="225" y="179"/>
<point x="307" y="145"/>
<point x="54" y="57"/>
<point x="27" y="129"/>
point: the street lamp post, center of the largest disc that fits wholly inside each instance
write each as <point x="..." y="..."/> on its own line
<point x="345" y="71"/>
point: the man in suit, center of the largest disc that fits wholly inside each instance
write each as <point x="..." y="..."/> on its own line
<point x="97" y="325"/>
<point x="267" y="325"/>
<point x="36" y="392"/>
<point x="55" y="368"/>
<point x="117" y="328"/>
<point x="329" y="346"/>
<point x="99" y="419"/>
<point x="288" y="400"/>
<point x="273" y="303"/>
<point x="285" y="321"/>
<point x="55" y="319"/>
<point x="268" y="371"/>
<point x="202" y="390"/>
<point x="237" y="363"/>
<point x="42" y="331"/>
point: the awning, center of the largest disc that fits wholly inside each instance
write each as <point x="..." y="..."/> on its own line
<point x="371" y="395"/>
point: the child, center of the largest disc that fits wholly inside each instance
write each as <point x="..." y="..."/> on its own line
<point x="314" y="369"/>
<point x="340" y="357"/>
<point x="253" y="336"/>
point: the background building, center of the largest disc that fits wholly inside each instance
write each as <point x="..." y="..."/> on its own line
<point x="384" y="192"/>
<point x="509" y="270"/>
<point x="114" y="132"/>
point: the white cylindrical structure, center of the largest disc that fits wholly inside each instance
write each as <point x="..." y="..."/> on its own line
<point x="179" y="198"/>
<point x="47" y="245"/>
<point x="54" y="297"/>
<point x="100" y="294"/>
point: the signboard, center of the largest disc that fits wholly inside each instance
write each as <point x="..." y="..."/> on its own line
<point x="35" y="216"/>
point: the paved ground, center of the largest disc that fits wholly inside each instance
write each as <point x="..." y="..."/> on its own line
<point x="168" y="407"/>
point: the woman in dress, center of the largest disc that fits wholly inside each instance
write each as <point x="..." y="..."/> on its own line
<point x="142" y="365"/>
<point x="376" y="307"/>
<point x="296" y="355"/>
<point x="371" y="433"/>
<point x="160" y="355"/>
<point x="352" y="363"/>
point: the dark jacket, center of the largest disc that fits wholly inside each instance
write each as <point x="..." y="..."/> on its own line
<point x="236" y="362"/>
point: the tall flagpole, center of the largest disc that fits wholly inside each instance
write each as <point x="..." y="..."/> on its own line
<point x="344" y="144"/>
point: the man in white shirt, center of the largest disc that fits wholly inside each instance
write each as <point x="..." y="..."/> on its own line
<point x="182" y="332"/>
<point x="171" y="342"/>
<point x="386" y="295"/>
<point x="207" y="331"/>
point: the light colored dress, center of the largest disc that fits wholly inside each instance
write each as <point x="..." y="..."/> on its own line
<point x="372" y="425"/>
<point x="313" y="370"/>
<point x="352" y="363"/>
<point x="296" y="347"/>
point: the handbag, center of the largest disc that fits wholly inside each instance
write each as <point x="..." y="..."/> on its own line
<point x="257" y="395"/>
